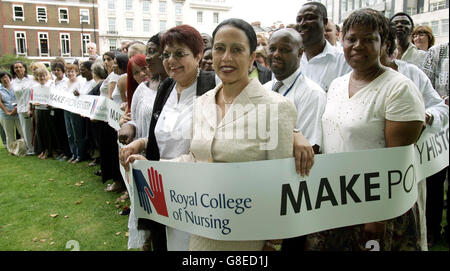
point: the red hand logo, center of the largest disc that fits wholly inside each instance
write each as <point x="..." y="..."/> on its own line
<point x="156" y="193"/>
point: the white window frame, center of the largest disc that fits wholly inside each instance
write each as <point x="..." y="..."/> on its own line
<point x="59" y="15"/>
<point x="179" y="9"/>
<point x="165" y="25"/>
<point x="16" y="18"/>
<point x="165" y="7"/>
<point x="214" y="17"/>
<point x="113" y="4"/>
<point x="82" y="35"/>
<point x="17" y="45"/>
<point x="61" y="44"/>
<point x="143" y="25"/>
<point x="200" y="17"/>
<point x="109" y="25"/>
<point x="39" y="42"/>
<point x="129" y="29"/>
<point x="37" y="14"/>
<point x="110" y="43"/>
<point x="88" y="16"/>
<point x="146" y="5"/>
<point x="128" y="8"/>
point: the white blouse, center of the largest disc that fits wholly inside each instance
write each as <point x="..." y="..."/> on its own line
<point x="21" y="88"/>
<point x="173" y="130"/>
<point x="357" y="123"/>
<point x="141" y="109"/>
<point x="112" y="78"/>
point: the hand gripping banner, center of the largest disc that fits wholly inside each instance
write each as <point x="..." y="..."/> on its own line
<point x="267" y="199"/>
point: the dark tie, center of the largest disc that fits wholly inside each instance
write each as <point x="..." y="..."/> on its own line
<point x="277" y="86"/>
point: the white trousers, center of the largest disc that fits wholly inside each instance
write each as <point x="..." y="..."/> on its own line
<point x="10" y="126"/>
<point x="26" y="125"/>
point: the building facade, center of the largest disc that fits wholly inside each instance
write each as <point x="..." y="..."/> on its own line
<point x="129" y="20"/>
<point x="433" y="13"/>
<point x="44" y="30"/>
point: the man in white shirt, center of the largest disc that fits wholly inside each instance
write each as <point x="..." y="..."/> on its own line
<point x="284" y="54"/>
<point x="406" y="50"/>
<point x="321" y="61"/>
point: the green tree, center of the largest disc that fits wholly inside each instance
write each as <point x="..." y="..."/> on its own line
<point x="7" y="60"/>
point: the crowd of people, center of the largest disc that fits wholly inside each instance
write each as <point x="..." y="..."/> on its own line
<point x="372" y="83"/>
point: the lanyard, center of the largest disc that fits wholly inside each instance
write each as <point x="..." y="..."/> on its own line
<point x="289" y="89"/>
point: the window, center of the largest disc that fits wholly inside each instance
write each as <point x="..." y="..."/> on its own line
<point x="177" y="23"/>
<point x="128" y="4"/>
<point x="112" y="45"/>
<point x="162" y="25"/>
<point x="199" y="16"/>
<point x="18" y="13"/>
<point x="41" y="14"/>
<point x="178" y="9"/>
<point x="85" y="39"/>
<point x="344" y="5"/>
<point x="111" y="4"/>
<point x="21" y="43"/>
<point x="43" y="44"/>
<point x="435" y="28"/>
<point x="444" y="27"/>
<point x="438" y="4"/>
<point x="129" y="24"/>
<point x="112" y="25"/>
<point x="65" y="44"/>
<point x="146" y="26"/>
<point x="216" y="17"/>
<point x="63" y="15"/>
<point x="162" y="7"/>
<point x="146" y="5"/>
<point x="84" y="16"/>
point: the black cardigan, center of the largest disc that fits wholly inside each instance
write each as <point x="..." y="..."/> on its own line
<point x="206" y="81"/>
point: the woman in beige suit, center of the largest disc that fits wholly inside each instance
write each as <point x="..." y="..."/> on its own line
<point x="227" y="120"/>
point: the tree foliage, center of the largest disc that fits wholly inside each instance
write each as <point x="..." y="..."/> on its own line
<point x="7" y="60"/>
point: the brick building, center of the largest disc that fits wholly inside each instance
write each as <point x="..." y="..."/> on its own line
<point x="43" y="30"/>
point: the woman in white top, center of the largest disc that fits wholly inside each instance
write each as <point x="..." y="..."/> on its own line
<point x="371" y="107"/>
<point x="60" y="84"/>
<point x="21" y="85"/>
<point x="45" y="133"/>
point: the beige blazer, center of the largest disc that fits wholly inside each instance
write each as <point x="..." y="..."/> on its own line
<point x="258" y="126"/>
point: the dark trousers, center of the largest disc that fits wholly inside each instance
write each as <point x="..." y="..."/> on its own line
<point x="109" y="154"/>
<point x="157" y="233"/>
<point x="435" y="204"/>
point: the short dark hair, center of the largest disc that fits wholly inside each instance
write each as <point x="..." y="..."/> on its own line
<point x="242" y="25"/>
<point x="111" y="54"/>
<point x="14" y="73"/>
<point x="58" y="64"/>
<point x="320" y="7"/>
<point x="403" y="14"/>
<point x="122" y="61"/>
<point x="183" y="34"/>
<point x="87" y="64"/>
<point x="367" y="17"/>
<point x="3" y="73"/>
<point x="156" y="39"/>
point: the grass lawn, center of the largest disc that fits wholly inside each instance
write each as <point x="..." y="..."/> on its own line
<point x="32" y="190"/>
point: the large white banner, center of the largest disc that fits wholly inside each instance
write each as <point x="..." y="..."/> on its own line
<point x="268" y="200"/>
<point x="93" y="107"/>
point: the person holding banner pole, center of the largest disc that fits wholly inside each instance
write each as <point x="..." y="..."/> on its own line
<point x="436" y="114"/>
<point x="21" y="85"/>
<point x="371" y="107"/>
